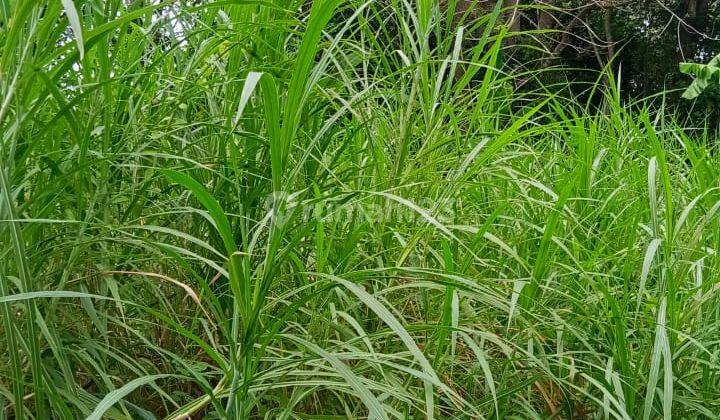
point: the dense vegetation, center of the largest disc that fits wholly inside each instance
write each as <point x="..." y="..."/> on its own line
<point x="258" y="209"/>
<point x="644" y="40"/>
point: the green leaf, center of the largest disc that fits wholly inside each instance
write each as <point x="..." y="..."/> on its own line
<point x="50" y="294"/>
<point x="74" y="18"/>
<point x="113" y="397"/>
<point x="705" y="76"/>
<point x="221" y="222"/>
<point x="371" y="402"/>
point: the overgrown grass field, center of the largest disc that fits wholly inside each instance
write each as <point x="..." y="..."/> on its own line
<point x="337" y="209"/>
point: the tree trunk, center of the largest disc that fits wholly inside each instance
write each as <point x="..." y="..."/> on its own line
<point x="545" y="19"/>
<point x="609" y="39"/>
<point x="694" y="15"/>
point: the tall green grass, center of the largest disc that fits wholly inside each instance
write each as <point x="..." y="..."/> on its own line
<point x="260" y="209"/>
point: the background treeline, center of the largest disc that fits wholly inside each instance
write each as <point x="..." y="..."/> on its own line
<point x="643" y="40"/>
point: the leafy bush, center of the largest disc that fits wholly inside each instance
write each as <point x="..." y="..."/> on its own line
<point x="706" y="75"/>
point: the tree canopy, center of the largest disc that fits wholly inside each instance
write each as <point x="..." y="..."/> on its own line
<point x="644" y="40"/>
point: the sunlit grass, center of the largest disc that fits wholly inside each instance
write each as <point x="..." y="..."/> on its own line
<point x="285" y="210"/>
